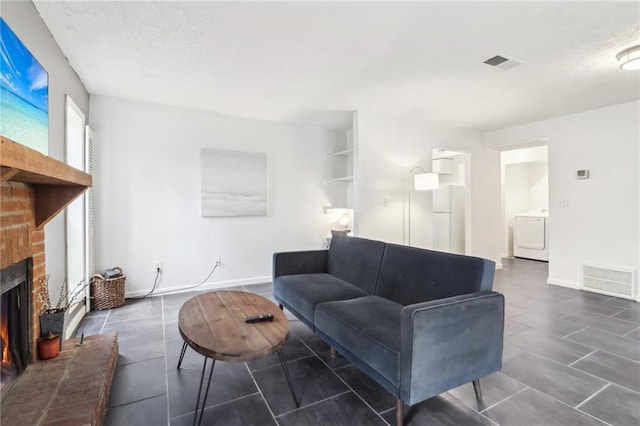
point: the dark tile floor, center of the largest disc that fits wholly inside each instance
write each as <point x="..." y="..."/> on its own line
<point x="570" y="358"/>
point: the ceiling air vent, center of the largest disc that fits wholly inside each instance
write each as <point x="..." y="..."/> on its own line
<point x="503" y="62"/>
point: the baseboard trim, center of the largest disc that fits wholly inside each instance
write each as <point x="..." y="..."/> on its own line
<point x="564" y="283"/>
<point x="205" y="286"/>
<point x="498" y="265"/>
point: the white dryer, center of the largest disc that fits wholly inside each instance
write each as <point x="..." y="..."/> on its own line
<point x="531" y="236"/>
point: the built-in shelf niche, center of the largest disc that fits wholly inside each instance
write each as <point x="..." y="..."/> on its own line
<point x="340" y="170"/>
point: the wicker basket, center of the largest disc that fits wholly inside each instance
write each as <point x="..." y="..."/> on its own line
<point x="107" y="293"/>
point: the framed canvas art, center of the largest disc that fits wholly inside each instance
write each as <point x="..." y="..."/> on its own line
<point x="234" y="183"/>
<point x="24" y="93"/>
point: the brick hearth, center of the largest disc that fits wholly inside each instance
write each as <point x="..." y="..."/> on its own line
<point x="72" y="389"/>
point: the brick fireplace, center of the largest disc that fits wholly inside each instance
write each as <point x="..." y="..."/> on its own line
<point x="72" y="388"/>
<point x="33" y="189"/>
<point x="20" y="240"/>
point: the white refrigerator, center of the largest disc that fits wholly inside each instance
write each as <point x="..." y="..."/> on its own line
<point x="448" y="218"/>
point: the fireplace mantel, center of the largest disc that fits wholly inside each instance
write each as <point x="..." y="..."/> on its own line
<point x="55" y="183"/>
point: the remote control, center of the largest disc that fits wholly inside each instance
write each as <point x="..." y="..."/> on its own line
<point x="260" y="318"/>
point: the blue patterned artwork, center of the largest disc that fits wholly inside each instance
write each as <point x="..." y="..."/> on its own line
<point x="233" y="183"/>
<point x="24" y="93"/>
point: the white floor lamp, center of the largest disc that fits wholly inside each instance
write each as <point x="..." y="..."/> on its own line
<point x="420" y="180"/>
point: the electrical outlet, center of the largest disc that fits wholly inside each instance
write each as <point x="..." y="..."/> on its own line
<point x="158" y="266"/>
<point x="218" y="261"/>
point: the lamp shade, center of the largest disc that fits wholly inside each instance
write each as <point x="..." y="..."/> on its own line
<point x="344" y="221"/>
<point x="629" y="59"/>
<point x="426" y="181"/>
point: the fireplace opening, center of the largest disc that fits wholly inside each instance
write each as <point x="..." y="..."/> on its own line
<point x="8" y="368"/>
<point x="15" y="320"/>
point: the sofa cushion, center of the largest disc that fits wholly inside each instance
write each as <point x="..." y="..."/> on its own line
<point x="355" y="260"/>
<point x="302" y="292"/>
<point x="411" y="275"/>
<point x="369" y="327"/>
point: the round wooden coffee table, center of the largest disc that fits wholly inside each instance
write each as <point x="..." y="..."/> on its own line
<point x="213" y="324"/>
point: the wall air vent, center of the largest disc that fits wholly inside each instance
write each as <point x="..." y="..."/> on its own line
<point x="503" y="62"/>
<point x="618" y="282"/>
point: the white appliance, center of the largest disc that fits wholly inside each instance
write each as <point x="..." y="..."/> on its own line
<point x="531" y="236"/>
<point x="448" y="218"/>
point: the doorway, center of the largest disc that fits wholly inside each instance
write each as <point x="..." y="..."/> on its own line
<point x="76" y="231"/>
<point x="525" y="202"/>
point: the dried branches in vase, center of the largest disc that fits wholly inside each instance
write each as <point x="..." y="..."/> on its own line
<point x="66" y="299"/>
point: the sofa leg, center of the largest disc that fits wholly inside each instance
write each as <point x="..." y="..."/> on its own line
<point x="476" y="388"/>
<point x="332" y="352"/>
<point x="399" y="412"/>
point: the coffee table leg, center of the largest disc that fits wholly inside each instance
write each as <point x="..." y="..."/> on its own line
<point x="184" y="349"/>
<point x="206" y="393"/>
<point x="286" y="375"/>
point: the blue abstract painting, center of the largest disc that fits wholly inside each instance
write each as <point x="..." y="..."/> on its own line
<point x="24" y="93"/>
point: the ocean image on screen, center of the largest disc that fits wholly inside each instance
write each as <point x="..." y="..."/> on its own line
<point x="24" y="93"/>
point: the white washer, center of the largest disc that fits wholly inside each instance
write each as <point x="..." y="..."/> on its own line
<point x="531" y="236"/>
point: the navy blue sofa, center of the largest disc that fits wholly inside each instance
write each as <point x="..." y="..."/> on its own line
<point x="418" y="322"/>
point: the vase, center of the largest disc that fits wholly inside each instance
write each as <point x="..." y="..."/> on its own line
<point x="52" y="323"/>
<point x="49" y="347"/>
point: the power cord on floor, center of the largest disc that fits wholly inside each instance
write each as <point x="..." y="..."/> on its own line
<point x="153" y="288"/>
<point x="155" y="284"/>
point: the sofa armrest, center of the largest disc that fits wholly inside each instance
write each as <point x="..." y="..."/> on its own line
<point x="299" y="262"/>
<point x="488" y="272"/>
<point x="449" y="342"/>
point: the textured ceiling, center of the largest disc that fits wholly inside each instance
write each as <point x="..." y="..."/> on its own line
<point x="307" y="62"/>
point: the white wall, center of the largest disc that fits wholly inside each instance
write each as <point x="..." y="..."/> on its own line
<point x="538" y="184"/>
<point x="148" y="194"/>
<point x="388" y="147"/>
<point x="25" y="21"/>
<point x="380" y="184"/>
<point x="601" y="222"/>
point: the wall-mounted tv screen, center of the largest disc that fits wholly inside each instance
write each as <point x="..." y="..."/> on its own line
<point x="24" y="93"/>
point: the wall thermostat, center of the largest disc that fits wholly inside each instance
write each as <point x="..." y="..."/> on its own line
<point x="582" y="174"/>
